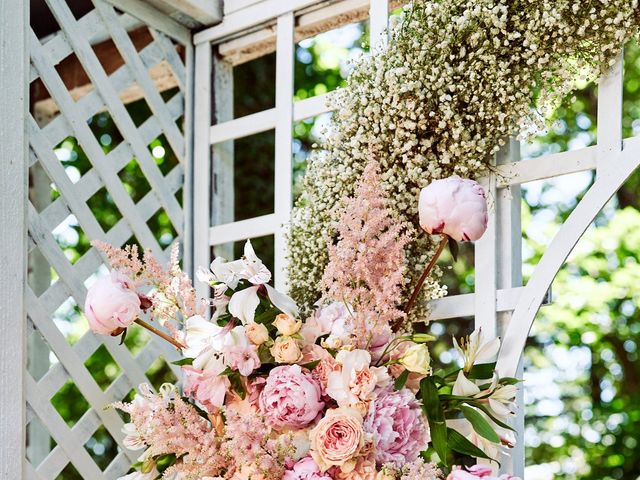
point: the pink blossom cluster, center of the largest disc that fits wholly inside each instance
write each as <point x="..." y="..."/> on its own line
<point x="268" y="396"/>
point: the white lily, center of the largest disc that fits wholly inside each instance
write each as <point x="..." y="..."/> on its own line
<point x="243" y="304"/>
<point x="473" y="351"/>
<point x="201" y="335"/>
<point x="132" y="440"/>
<point x="500" y="399"/>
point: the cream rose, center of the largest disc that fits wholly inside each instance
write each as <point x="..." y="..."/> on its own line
<point x="417" y="359"/>
<point x="286" y="325"/>
<point x="286" y="350"/>
<point x="337" y="439"/>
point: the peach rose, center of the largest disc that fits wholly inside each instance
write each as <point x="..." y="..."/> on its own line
<point x="286" y="350"/>
<point x="286" y="325"/>
<point x="257" y="333"/>
<point x="338" y="439"/>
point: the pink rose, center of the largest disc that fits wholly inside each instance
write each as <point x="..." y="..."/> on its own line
<point x="305" y="469"/>
<point x="206" y="386"/>
<point x="338" y="439"/>
<point x="291" y="398"/>
<point x="454" y="206"/>
<point x="111" y="304"/>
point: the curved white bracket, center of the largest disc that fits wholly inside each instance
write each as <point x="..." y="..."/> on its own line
<point x="620" y="167"/>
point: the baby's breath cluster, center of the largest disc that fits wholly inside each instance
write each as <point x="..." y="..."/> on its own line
<point x="457" y="79"/>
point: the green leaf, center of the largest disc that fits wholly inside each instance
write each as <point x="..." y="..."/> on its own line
<point x="124" y="335"/>
<point x="453" y="248"/>
<point x="435" y="415"/>
<point x="310" y="365"/>
<point x="480" y="424"/>
<point x="165" y="461"/>
<point x="461" y="445"/>
<point x="183" y="361"/>
<point x="401" y="380"/>
<point x="482" y="371"/>
<point x="489" y="414"/>
<point x="264" y="354"/>
<point x="510" y="381"/>
<point x="236" y="384"/>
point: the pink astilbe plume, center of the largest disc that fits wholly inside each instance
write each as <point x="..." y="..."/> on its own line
<point x="168" y="425"/>
<point x="366" y="266"/>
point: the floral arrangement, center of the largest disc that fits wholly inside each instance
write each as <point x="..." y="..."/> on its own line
<point x="457" y="79"/>
<point x="348" y="393"/>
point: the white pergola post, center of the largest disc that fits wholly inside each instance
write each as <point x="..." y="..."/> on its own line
<point x="14" y="82"/>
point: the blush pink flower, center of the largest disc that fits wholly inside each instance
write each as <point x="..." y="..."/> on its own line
<point x="206" y="386"/>
<point x="305" y="469"/>
<point x="454" y="206"/>
<point x="338" y="439"/>
<point x="291" y="398"/>
<point x="397" y="426"/>
<point x="354" y="384"/>
<point x="112" y="304"/>
<point x="476" y="471"/>
<point x="243" y="358"/>
<point x="364" y="469"/>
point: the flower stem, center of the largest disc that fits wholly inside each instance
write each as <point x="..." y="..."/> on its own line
<point x="160" y="333"/>
<point x="425" y="274"/>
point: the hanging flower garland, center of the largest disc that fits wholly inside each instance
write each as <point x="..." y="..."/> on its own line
<point x="458" y="78"/>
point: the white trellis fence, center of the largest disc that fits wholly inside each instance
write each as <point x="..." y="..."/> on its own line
<point x="201" y="67"/>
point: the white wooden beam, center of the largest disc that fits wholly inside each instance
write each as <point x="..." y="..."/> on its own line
<point x="283" y="195"/>
<point x="202" y="161"/>
<point x="152" y="17"/>
<point x="14" y="70"/>
<point x="609" y="122"/>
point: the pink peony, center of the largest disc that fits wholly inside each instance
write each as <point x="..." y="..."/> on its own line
<point x="290" y="398"/>
<point x="398" y="427"/>
<point x="305" y="469"/>
<point x="111" y="304"/>
<point x="454" y="206"/>
<point x="338" y="439"/>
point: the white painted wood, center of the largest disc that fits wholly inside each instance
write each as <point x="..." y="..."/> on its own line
<point x="187" y="191"/>
<point x="243" y="229"/>
<point x="378" y="21"/>
<point x="509" y="275"/>
<point x="150" y="16"/>
<point x="486" y="267"/>
<point x="223" y="198"/>
<point x="14" y="25"/>
<point x="141" y="75"/>
<point x="205" y="12"/>
<point x="463" y="305"/>
<point x="202" y="160"/>
<point x="121" y="118"/>
<point x="250" y="17"/>
<point x="609" y="120"/>
<point x="266" y="119"/>
<point x="584" y="213"/>
<point x="284" y="143"/>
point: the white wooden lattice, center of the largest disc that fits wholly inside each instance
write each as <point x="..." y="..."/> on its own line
<point x="74" y="39"/>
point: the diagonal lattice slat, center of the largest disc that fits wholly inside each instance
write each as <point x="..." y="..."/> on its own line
<point x="68" y="364"/>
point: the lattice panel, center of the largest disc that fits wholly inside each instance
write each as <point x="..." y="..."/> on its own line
<point x="57" y="446"/>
